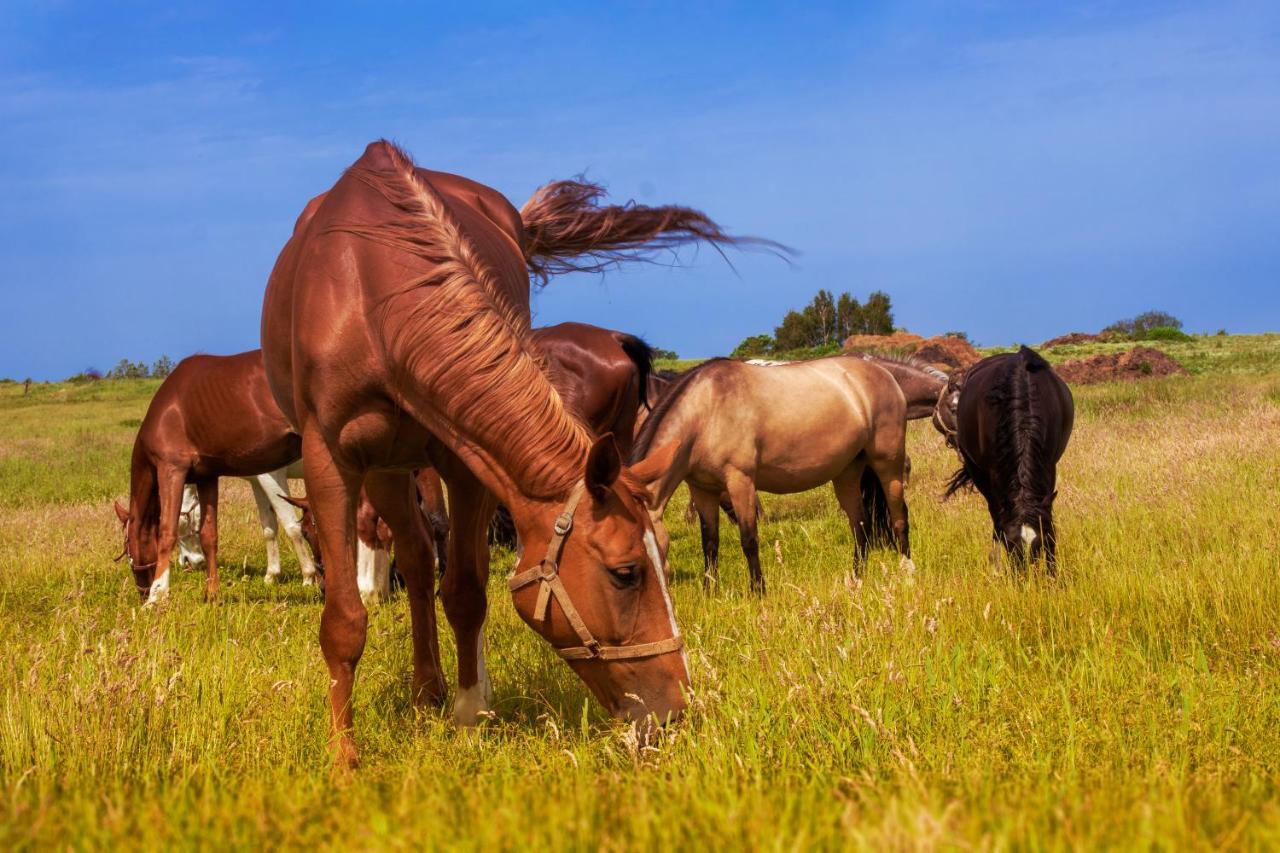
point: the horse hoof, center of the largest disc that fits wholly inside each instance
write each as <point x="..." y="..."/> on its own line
<point x="308" y="580"/>
<point x="270" y="579"/>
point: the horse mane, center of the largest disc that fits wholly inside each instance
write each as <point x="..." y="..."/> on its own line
<point x="641" y="355"/>
<point x="567" y="229"/>
<point x="644" y="440"/>
<point x="474" y="356"/>
<point x="906" y="360"/>
<point x="1021" y="459"/>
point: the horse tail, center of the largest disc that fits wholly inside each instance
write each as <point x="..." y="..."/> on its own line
<point x="641" y="355"/>
<point x="567" y="229"/>
<point x="1034" y="465"/>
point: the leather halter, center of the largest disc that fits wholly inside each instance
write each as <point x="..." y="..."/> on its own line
<point x="547" y="573"/>
<point x="124" y="552"/>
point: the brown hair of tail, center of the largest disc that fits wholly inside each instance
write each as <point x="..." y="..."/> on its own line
<point x="567" y="229"/>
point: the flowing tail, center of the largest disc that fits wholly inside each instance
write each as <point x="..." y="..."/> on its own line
<point x="567" y="229"/>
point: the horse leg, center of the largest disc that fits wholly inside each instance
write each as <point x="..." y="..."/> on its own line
<point x="287" y="514"/>
<point x="848" y="489"/>
<point x="169" y="483"/>
<point x="742" y="493"/>
<point x="463" y="590"/>
<point x="208" y="491"/>
<point x="344" y="621"/>
<point x="267" y="520"/>
<point x="189" y="529"/>
<point x="431" y="497"/>
<point x="395" y="498"/>
<point x="707" y="505"/>
<point x="890" y="470"/>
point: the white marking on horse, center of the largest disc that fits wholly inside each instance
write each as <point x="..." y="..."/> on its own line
<point x="159" y="589"/>
<point x="1028" y="536"/>
<point x="189" y="551"/>
<point x="373" y="572"/>
<point x="660" y="569"/>
<point x="471" y="702"/>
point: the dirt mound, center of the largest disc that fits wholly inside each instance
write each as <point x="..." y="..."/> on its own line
<point x="898" y="342"/>
<point x="1074" y="338"/>
<point x="1137" y="363"/>
<point x="951" y="352"/>
<point x="943" y="351"/>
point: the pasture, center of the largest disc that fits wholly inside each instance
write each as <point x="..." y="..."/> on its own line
<point x="1134" y="701"/>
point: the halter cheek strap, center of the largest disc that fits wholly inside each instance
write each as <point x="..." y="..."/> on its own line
<point x="547" y="574"/>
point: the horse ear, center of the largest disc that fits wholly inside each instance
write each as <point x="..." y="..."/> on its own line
<point x="604" y="464"/>
<point x="653" y="466"/>
<point x="301" y="503"/>
<point x="121" y="512"/>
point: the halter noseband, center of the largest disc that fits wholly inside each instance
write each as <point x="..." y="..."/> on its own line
<point x="124" y="552"/>
<point x="547" y="573"/>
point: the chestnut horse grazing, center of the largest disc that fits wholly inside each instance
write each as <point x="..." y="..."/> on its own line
<point x="395" y="330"/>
<point x="1010" y="417"/>
<point x="736" y="428"/>
<point x="213" y="417"/>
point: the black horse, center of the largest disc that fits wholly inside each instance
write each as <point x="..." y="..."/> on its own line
<point x="1009" y="417"/>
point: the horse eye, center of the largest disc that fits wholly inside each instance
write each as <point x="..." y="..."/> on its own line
<point x="628" y="574"/>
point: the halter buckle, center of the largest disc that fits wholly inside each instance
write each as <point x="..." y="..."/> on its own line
<point x="564" y="523"/>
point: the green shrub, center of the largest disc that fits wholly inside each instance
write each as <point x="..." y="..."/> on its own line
<point x="1162" y="333"/>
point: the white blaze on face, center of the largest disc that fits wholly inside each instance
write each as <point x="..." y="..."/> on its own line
<point x="1028" y="537"/>
<point x="660" y="569"/>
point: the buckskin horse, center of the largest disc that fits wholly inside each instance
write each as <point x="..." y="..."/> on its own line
<point x="212" y="417"/>
<point x="395" y="330"/>
<point x="1009" y="418"/>
<point x="734" y="428"/>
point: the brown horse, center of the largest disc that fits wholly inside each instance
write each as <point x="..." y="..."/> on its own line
<point x="601" y="375"/>
<point x="396" y="332"/>
<point x="213" y="417"/>
<point x="1010" y="418"/>
<point x="738" y="427"/>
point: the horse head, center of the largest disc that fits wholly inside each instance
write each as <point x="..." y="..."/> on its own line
<point x="613" y="621"/>
<point x="139" y="547"/>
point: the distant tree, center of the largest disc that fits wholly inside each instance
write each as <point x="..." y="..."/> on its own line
<point x="753" y="346"/>
<point x="878" y="314"/>
<point x="849" y="318"/>
<point x="964" y="336"/>
<point x="163" y="367"/>
<point x="126" y="369"/>
<point x="796" y="332"/>
<point x="1136" y="327"/>
<point x="828" y="320"/>
<point x="89" y="374"/>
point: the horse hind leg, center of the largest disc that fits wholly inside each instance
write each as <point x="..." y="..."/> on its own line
<point x="891" y="471"/>
<point x="742" y="492"/>
<point x="395" y="498"/>
<point x="848" y="489"/>
<point x="208" y="491"/>
<point x="189" y="553"/>
<point x="462" y="591"/>
<point x="707" y="507"/>
<point x="268" y="522"/>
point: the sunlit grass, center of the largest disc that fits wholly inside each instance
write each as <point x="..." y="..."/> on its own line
<point x="1133" y="702"/>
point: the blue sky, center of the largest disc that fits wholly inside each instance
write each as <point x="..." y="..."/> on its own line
<point x="1016" y="170"/>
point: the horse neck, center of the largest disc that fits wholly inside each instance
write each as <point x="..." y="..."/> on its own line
<point x="143" y="494"/>
<point x="674" y="427"/>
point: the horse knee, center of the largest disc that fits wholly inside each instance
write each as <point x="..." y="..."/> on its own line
<point x="342" y="631"/>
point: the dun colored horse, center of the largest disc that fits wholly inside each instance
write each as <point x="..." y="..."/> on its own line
<point x="212" y="417"/>
<point x="1010" y="418"/>
<point x="736" y="428"/>
<point x="395" y="330"/>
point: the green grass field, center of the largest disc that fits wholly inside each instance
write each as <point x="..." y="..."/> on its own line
<point x="1135" y="702"/>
